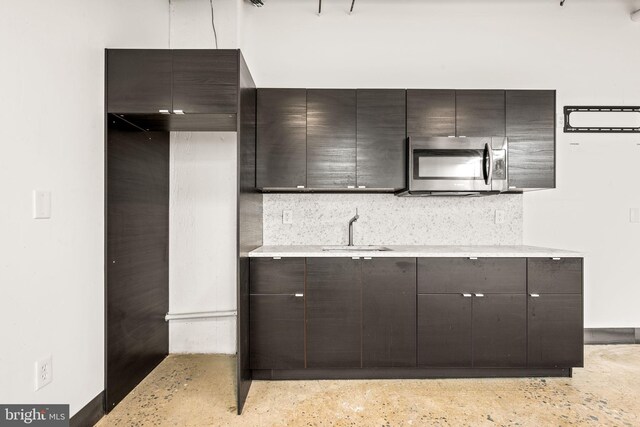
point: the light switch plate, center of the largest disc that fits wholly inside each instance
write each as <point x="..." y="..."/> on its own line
<point x="287" y="217"/>
<point x="634" y="215"/>
<point x="500" y="217"/>
<point x="41" y="204"/>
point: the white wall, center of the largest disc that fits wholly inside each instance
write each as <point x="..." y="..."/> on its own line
<point x="202" y="223"/>
<point x="587" y="50"/>
<point x="52" y="138"/>
<point x="202" y="241"/>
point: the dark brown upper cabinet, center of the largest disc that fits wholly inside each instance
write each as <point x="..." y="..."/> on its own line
<point x="381" y="134"/>
<point x="388" y="312"/>
<point x="205" y="81"/>
<point x="139" y="80"/>
<point x="331" y="138"/>
<point x="173" y="90"/>
<point x="431" y="112"/>
<point x="282" y="138"/>
<point x="480" y="113"/>
<point x="530" y="122"/>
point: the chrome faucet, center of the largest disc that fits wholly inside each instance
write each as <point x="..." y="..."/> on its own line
<point x="351" y="221"/>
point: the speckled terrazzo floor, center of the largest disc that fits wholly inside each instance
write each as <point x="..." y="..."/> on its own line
<point x="198" y="390"/>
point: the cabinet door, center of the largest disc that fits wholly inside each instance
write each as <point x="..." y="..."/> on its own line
<point x="531" y="133"/>
<point x="276" y="276"/>
<point x="555" y="276"/>
<point x="331" y="138"/>
<point x="500" y="330"/>
<point x="389" y="312"/>
<point x="483" y="275"/>
<point x="334" y="313"/>
<point x="480" y="113"/>
<point x="431" y="112"/>
<point x="281" y="142"/>
<point x="556" y="334"/>
<point x="444" y="330"/>
<point x="138" y="80"/>
<point x="277" y="331"/>
<point x="205" y="81"/>
<point x="381" y="142"/>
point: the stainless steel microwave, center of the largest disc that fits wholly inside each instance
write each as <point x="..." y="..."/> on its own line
<point x="457" y="165"/>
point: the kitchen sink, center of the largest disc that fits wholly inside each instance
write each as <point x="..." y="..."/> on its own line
<point x="364" y="248"/>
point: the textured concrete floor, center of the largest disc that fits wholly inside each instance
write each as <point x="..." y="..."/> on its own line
<point x="198" y="390"/>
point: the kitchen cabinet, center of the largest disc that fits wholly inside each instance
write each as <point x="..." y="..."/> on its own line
<point x="282" y="138"/>
<point x="477" y="275"/>
<point x="472" y="330"/>
<point x="380" y="138"/>
<point x="173" y="90"/>
<point x="276" y="331"/>
<point x="480" y="113"/>
<point x="444" y="330"/>
<point x="205" y="81"/>
<point x="555" y="314"/>
<point x="388" y="312"/>
<point x="431" y="112"/>
<point x="334" y="313"/>
<point x="276" y="336"/>
<point x="139" y="80"/>
<point x="500" y="330"/>
<point x="472" y="312"/>
<point x="331" y="138"/>
<point x="530" y="127"/>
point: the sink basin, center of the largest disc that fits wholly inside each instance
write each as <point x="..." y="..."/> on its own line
<point x="364" y="248"/>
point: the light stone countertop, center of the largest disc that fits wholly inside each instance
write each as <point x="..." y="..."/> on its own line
<point x="415" y="251"/>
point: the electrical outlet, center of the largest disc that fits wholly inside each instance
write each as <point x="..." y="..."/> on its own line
<point x="44" y="372"/>
<point x="634" y="215"/>
<point x="500" y="216"/>
<point x="287" y="217"/>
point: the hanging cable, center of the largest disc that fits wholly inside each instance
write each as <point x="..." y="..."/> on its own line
<point x="213" y="24"/>
<point x="319" y="7"/>
<point x="352" y="3"/>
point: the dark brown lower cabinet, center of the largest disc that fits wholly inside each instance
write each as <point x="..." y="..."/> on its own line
<point x="277" y="331"/>
<point x="334" y="313"/>
<point x="500" y="330"/>
<point x="555" y="331"/>
<point x="444" y="330"/>
<point x="388" y="312"/>
<point x="479" y="330"/>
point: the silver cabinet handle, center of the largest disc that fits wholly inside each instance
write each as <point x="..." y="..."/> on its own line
<point x="355" y="257"/>
<point x="178" y="112"/>
<point x="479" y="295"/>
<point x="467" y="295"/>
<point x="300" y="186"/>
<point x="351" y="186"/>
<point x="362" y="186"/>
<point x="473" y="257"/>
<point x="534" y="295"/>
<point x="277" y="257"/>
<point x="163" y="111"/>
<point x="556" y="259"/>
<point x="298" y="295"/>
<point x="367" y="257"/>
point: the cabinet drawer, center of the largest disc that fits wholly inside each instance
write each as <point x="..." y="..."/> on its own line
<point x="459" y="275"/>
<point x="555" y="276"/>
<point x="277" y="276"/>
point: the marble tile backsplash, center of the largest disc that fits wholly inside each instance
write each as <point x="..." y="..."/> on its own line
<point x="321" y="219"/>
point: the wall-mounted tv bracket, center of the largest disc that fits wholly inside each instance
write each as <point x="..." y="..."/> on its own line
<point x="595" y="129"/>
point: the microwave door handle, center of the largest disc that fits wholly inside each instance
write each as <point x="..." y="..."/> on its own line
<point x="489" y="160"/>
